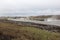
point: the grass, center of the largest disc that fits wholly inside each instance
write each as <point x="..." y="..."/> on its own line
<point x="10" y="31"/>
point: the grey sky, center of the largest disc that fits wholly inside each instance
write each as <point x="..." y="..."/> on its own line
<point x="29" y="7"/>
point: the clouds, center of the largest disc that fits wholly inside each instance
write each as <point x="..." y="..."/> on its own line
<point x="29" y="7"/>
<point x="38" y="3"/>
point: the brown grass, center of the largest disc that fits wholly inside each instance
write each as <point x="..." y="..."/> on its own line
<point x="10" y="31"/>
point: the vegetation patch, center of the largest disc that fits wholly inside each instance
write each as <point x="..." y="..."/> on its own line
<point x="10" y="31"/>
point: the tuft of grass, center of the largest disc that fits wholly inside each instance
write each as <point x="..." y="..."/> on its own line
<point x="39" y="34"/>
<point x="14" y="32"/>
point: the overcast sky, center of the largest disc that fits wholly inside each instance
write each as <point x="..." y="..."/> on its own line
<point x="29" y="7"/>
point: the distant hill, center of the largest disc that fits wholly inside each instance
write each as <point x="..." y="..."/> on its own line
<point x="41" y="18"/>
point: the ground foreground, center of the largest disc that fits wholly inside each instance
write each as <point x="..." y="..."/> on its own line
<point x="9" y="31"/>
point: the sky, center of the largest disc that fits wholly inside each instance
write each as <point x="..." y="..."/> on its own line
<point x="29" y="7"/>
